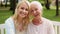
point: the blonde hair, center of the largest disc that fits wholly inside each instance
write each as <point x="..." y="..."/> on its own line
<point x="15" y="16"/>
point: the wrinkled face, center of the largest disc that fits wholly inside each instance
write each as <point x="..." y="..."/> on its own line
<point x="23" y="10"/>
<point x="35" y="10"/>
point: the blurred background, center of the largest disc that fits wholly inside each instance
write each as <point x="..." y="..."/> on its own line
<point x="51" y="9"/>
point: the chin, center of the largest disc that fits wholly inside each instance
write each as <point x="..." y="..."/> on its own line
<point x="23" y="16"/>
<point x="35" y="15"/>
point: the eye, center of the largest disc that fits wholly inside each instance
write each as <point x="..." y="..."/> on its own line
<point x="22" y="8"/>
<point x="26" y="9"/>
<point x="36" y="9"/>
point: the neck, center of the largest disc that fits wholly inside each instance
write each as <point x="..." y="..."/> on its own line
<point x="19" y="19"/>
<point x="37" y="20"/>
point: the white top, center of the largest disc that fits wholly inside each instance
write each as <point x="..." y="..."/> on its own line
<point x="18" y="32"/>
<point x="45" y="28"/>
<point x="10" y="28"/>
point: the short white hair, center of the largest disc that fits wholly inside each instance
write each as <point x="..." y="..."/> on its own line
<point x="38" y="4"/>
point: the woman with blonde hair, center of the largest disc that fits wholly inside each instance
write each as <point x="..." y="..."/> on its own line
<point x="18" y="23"/>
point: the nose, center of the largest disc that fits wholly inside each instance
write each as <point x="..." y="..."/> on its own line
<point x="23" y="10"/>
<point x="34" y="12"/>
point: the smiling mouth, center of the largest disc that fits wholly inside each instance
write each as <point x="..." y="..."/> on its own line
<point x="36" y="14"/>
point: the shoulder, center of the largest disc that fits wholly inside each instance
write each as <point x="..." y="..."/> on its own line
<point x="47" y="21"/>
<point x="9" y="20"/>
<point x="9" y="23"/>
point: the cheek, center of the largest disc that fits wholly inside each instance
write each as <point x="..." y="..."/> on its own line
<point x="27" y="12"/>
<point x="39" y="11"/>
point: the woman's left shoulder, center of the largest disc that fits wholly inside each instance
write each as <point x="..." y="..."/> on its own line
<point x="47" y="21"/>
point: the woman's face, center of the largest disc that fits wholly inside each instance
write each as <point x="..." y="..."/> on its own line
<point x="23" y="10"/>
<point x="35" y="10"/>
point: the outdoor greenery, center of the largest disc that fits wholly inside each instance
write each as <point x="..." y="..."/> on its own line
<point x="4" y="14"/>
<point x="49" y="14"/>
<point x="5" y="11"/>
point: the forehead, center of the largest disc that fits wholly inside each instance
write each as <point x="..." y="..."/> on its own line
<point x="34" y="6"/>
<point x="23" y="5"/>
